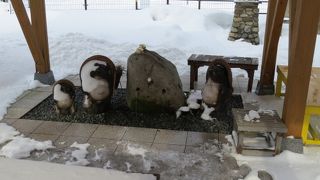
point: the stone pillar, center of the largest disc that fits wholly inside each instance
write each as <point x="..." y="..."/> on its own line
<point x="245" y="21"/>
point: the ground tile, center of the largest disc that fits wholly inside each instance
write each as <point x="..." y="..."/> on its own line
<point x="171" y="137"/>
<point x="109" y="132"/>
<point x="26" y="126"/>
<point x="101" y="143"/>
<point x="79" y="129"/>
<point x="67" y="141"/>
<point x="51" y="127"/>
<point x="16" y="112"/>
<point x="140" y="134"/>
<point x="195" y="138"/>
<point x="8" y="121"/>
<point x="43" y="137"/>
<point x="168" y="147"/>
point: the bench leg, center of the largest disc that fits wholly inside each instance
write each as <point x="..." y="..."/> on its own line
<point x="250" y="82"/>
<point x="240" y="142"/>
<point x="278" y="144"/>
<point x="193" y="75"/>
<point x="278" y="86"/>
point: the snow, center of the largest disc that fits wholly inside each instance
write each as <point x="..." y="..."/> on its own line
<point x="7" y="133"/>
<point x="21" y="147"/>
<point x="79" y="154"/>
<point x="206" y="112"/>
<point x="174" y="32"/>
<point x="23" y="169"/>
<point x="252" y="116"/>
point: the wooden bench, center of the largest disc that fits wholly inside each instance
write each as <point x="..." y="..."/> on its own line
<point x="310" y="132"/>
<point x="246" y="63"/>
<point x="267" y="124"/>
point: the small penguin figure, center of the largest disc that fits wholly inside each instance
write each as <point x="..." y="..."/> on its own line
<point x="64" y="95"/>
<point x="99" y="78"/>
<point x="218" y="88"/>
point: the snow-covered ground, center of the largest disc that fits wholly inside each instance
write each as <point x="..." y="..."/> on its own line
<point x="50" y="171"/>
<point x="174" y="32"/>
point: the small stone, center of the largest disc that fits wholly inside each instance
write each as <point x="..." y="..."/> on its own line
<point x="237" y="19"/>
<point x="234" y="29"/>
<point x="251" y="36"/>
<point x="244" y="15"/>
<point x="255" y="29"/>
<point x="249" y="23"/>
<point x="244" y="35"/>
<point x="236" y="24"/>
<point x="255" y="35"/>
<point x="264" y="175"/>
<point x="248" y="9"/>
<point x="256" y="10"/>
<point x="244" y="170"/>
<point x="247" y="29"/>
<point x="257" y="40"/>
<point x="231" y="38"/>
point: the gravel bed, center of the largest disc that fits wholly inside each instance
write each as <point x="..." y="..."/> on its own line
<point x="121" y="115"/>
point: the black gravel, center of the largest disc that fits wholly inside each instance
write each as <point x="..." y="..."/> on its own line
<point x="121" y="115"/>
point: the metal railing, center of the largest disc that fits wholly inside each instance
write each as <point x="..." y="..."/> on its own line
<point x="141" y="4"/>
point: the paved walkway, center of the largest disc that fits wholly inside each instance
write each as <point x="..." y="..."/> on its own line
<point x="112" y="142"/>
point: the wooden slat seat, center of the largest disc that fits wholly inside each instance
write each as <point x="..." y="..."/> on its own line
<point x="246" y="63"/>
<point x="270" y="124"/>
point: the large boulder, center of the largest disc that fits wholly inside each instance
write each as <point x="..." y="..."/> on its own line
<point x="153" y="83"/>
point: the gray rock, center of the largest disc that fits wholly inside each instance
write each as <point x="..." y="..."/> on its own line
<point x="247" y="29"/>
<point x="293" y="145"/>
<point x="153" y="83"/>
<point x="264" y="175"/>
<point x="234" y="29"/>
<point x="244" y="170"/>
<point x="255" y="29"/>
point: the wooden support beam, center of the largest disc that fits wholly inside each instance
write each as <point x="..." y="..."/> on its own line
<point x="39" y="25"/>
<point x="276" y="12"/>
<point x="302" y="47"/>
<point x="28" y="33"/>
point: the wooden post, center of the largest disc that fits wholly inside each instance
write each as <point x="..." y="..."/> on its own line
<point x="276" y="12"/>
<point x="39" y="25"/>
<point x="36" y="37"/>
<point x="199" y="4"/>
<point x="28" y="33"/>
<point x="302" y="47"/>
<point x="168" y="2"/>
<point x="85" y="5"/>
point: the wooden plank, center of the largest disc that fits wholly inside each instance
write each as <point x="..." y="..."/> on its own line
<point x="267" y="123"/>
<point x="277" y="10"/>
<point x="39" y="25"/>
<point x="304" y="35"/>
<point x="28" y="32"/>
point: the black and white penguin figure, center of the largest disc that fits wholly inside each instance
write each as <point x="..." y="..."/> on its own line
<point x="64" y="95"/>
<point x="99" y="77"/>
<point x="218" y="87"/>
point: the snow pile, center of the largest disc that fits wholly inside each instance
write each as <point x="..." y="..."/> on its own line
<point x="136" y="150"/>
<point x="21" y="147"/>
<point x="7" y="133"/>
<point x="79" y="155"/>
<point x="253" y="116"/>
<point x="23" y="169"/>
<point x="206" y="113"/>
